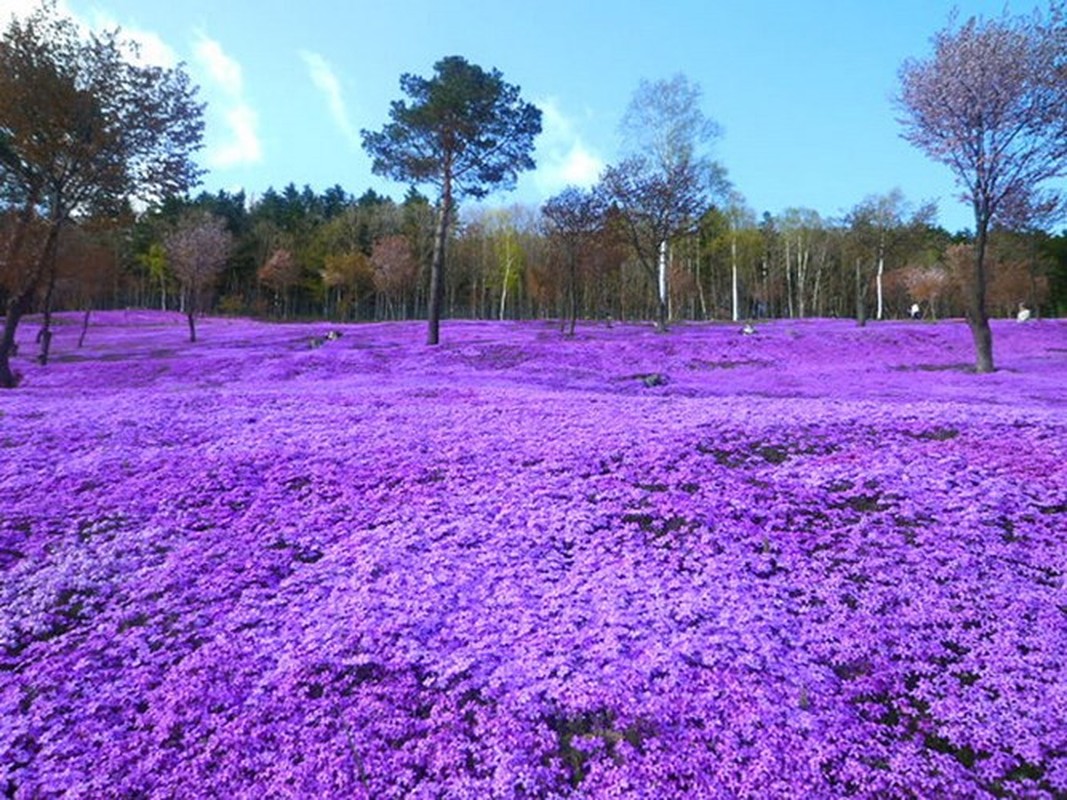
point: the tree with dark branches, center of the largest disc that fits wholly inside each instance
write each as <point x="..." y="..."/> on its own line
<point x="197" y="249"/>
<point x="572" y="218"/>
<point x="666" y="183"/>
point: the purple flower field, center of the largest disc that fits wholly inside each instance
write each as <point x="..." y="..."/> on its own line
<point x="820" y="561"/>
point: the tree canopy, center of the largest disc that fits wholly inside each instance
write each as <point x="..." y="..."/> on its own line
<point x="666" y="182"/>
<point x="197" y="250"/>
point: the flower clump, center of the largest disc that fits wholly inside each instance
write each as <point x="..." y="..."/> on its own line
<point x="823" y="561"/>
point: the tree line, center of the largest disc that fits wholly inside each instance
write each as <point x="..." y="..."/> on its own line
<point x="299" y="254"/>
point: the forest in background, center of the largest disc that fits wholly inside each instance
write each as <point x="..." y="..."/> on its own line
<point x="302" y="254"/>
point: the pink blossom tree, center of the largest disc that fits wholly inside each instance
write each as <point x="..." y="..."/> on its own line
<point x="989" y="103"/>
<point x="197" y="250"/>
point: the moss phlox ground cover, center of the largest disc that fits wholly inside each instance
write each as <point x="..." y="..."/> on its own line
<point x="817" y="561"/>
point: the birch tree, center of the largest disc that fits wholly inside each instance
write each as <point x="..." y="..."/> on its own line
<point x="741" y="219"/>
<point x="667" y="179"/>
<point x="884" y="228"/>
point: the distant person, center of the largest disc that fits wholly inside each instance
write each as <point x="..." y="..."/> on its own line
<point x="915" y="311"/>
<point x="1024" y="313"/>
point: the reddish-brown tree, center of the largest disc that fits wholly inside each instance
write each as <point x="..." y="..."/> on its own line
<point x="395" y="267"/>
<point x="81" y="128"/>
<point x="280" y="273"/>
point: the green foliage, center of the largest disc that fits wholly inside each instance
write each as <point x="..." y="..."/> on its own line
<point x="465" y="132"/>
<point x="465" y="127"/>
<point x="154" y="261"/>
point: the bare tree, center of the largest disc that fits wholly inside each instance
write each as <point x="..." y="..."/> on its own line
<point x="197" y="250"/>
<point x="573" y="218"/>
<point x="989" y="103"/>
<point x="395" y="267"/>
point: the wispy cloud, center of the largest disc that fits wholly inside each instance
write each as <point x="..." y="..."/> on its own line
<point x="222" y="69"/>
<point x="563" y="159"/>
<point x="241" y="144"/>
<point x="327" y="82"/>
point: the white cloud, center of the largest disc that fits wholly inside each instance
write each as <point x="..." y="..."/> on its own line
<point x="223" y="70"/>
<point x="327" y="82"/>
<point x="240" y="144"/>
<point x="150" y="47"/>
<point x="563" y="159"/>
<point x="580" y="167"/>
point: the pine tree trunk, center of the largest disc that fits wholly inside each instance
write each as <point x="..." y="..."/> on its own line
<point x="437" y="266"/>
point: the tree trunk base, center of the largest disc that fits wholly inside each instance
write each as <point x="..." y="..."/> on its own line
<point x="983" y="346"/>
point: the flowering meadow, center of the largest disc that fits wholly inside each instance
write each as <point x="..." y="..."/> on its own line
<point x="817" y="561"/>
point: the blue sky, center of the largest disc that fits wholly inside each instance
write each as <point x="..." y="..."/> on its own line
<point x="802" y="90"/>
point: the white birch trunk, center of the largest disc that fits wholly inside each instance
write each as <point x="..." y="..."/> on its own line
<point x="878" y="281"/>
<point x="663" y="272"/>
<point x="504" y="289"/>
<point x="788" y="280"/>
<point x="733" y="279"/>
